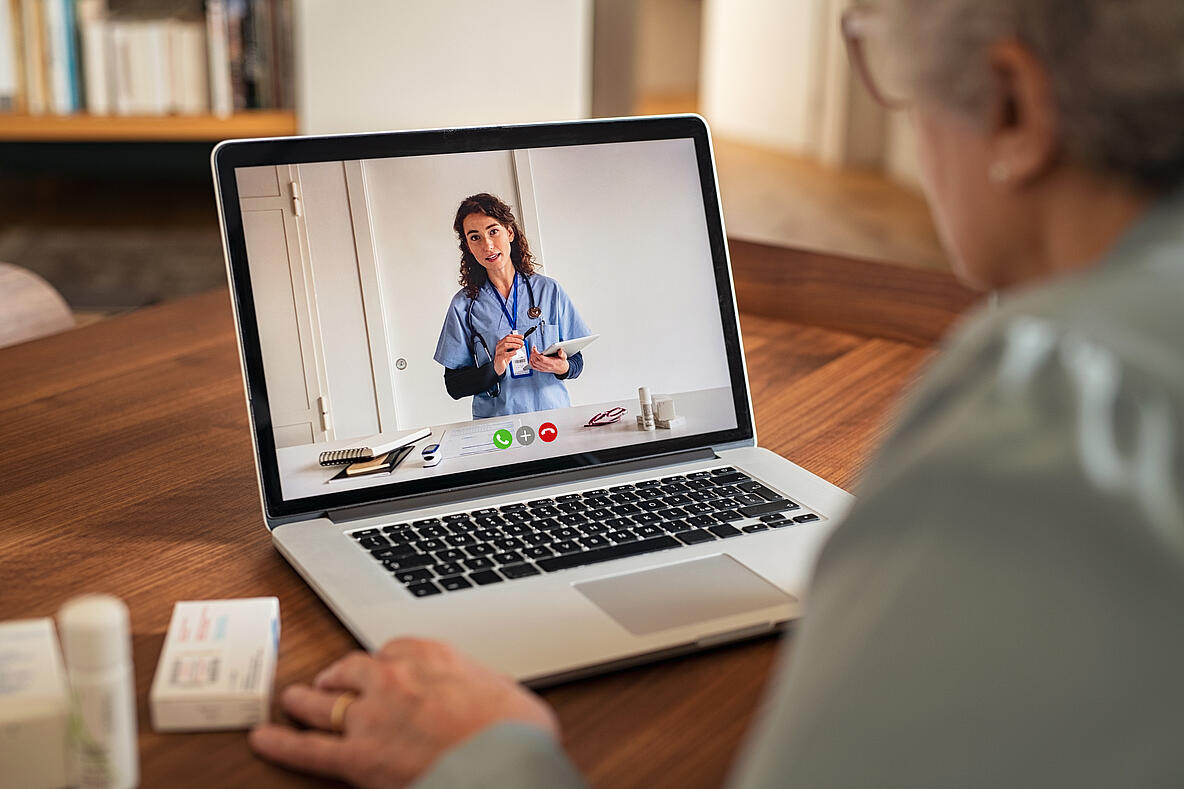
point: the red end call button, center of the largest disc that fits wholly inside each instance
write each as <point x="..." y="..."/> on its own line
<point x="548" y="432"/>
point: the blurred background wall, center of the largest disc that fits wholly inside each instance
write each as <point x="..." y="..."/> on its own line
<point x="109" y="109"/>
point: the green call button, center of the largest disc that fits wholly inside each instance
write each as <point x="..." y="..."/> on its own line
<point x="503" y="438"/>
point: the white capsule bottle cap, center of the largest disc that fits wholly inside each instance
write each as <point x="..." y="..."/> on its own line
<point x="643" y="394"/>
<point x="94" y="632"/>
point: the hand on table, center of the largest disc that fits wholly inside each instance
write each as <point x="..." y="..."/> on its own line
<point x="549" y="364"/>
<point x="504" y="351"/>
<point x="415" y="700"/>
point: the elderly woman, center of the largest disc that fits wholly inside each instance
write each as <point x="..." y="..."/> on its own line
<point x="1003" y="605"/>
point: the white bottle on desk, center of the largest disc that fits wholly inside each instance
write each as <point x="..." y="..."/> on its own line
<point x="96" y="645"/>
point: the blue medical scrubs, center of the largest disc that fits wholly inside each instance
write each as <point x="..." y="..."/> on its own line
<point x="537" y="391"/>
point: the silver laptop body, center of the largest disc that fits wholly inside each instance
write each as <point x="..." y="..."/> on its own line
<point x="554" y="624"/>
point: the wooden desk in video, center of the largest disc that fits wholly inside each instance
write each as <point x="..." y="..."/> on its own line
<point x="127" y="469"/>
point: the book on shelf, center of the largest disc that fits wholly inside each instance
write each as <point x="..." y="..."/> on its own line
<point x="145" y="57"/>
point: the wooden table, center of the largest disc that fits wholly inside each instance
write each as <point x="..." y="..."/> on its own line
<point x="126" y="467"/>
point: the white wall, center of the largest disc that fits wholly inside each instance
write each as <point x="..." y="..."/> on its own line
<point x="368" y="65"/>
<point x="412" y="202"/>
<point x="625" y="234"/>
<point x="762" y="71"/>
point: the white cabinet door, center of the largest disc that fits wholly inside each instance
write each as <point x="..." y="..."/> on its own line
<point x="282" y="304"/>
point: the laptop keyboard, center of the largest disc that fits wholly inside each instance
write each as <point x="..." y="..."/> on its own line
<point x="492" y="545"/>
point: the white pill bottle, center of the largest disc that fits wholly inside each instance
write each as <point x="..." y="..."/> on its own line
<point x="97" y="647"/>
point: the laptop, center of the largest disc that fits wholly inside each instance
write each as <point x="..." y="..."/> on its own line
<point x="573" y="514"/>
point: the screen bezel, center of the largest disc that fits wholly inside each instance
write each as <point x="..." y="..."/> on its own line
<point x="229" y="156"/>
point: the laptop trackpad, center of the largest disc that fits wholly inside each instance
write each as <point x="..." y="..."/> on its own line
<point x="682" y="594"/>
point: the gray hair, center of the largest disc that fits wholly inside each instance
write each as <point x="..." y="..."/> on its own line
<point x="1117" y="71"/>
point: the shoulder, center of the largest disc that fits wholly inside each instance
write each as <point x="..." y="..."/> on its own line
<point x="459" y="302"/>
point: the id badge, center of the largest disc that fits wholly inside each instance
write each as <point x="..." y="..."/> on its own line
<point x="520" y="362"/>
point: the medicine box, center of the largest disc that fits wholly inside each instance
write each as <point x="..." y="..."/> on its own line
<point x="217" y="666"/>
<point x="34" y="706"/>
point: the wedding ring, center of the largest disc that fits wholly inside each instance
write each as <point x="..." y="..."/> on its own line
<point x="337" y="714"/>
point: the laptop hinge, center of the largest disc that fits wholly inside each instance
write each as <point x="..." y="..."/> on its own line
<point x="424" y="500"/>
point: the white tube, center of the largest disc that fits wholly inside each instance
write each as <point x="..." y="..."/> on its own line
<point x="647" y="408"/>
<point x="96" y="643"/>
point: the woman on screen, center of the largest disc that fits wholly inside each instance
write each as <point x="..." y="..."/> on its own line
<point x="503" y="317"/>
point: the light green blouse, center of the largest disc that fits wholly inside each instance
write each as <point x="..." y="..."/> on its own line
<point x="1004" y="605"/>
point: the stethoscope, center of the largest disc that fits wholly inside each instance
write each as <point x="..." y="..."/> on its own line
<point x="476" y="339"/>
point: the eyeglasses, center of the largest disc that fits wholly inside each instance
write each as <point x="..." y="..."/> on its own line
<point x="865" y="30"/>
<point x="606" y="417"/>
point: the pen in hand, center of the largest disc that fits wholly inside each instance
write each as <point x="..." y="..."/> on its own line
<point x="530" y="331"/>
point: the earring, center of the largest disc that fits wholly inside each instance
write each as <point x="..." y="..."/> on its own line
<point x="1000" y="172"/>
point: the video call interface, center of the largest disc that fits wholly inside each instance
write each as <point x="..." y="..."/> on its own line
<point x="429" y="315"/>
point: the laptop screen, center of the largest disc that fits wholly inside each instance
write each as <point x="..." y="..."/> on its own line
<point x="452" y="313"/>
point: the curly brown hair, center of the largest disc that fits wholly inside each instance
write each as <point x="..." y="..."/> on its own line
<point x="472" y="274"/>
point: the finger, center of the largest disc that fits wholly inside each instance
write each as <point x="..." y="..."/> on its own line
<point x="356" y="671"/>
<point x="302" y="750"/>
<point x="562" y="354"/>
<point x="313" y="707"/>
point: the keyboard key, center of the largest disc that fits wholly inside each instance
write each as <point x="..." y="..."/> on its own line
<point x="594" y="528"/>
<point x="572" y="518"/>
<point x="757" y="489"/>
<point x="410" y="562"/>
<point x="596" y="492"/>
<point x="598" y="502"/>
<point x="724" y="530"/>
<point x="538" y="552"/>
<point x="647" y="517"/>
<point x="539" y="503"/>
<point x="460" y="540"/>
<point x="775" y="516"/>
<point x="431" y="545"/>
<point x="777" y="505"/>
<point x="807" y="518"/>
<point x="672" y="480"/>
<point x="449" y="568"/>
<point x="433" y="531"/>
<point x="647" y="483"/>
<point x="544" y="512"/>
<point x="485" y="577"/>
<point x="509" y="557"/>
<point x="490" y="521"/>
<point x="724" y="470"/>
<point x="376" y="541"/>
<point x="699" y="475"/>
<point x="507" y="543"/>
<point x="413" y="576"/>
<point x="536" y="538"/>
<point x="729" y="479"/>
<point x="516" y="529"/>
<point x="485" y="535"/>
<point x="569" y="506"/>
<point x="626" y="509"/>
<point x="620" y="488"/>
<point x="675" y="526"/>
<point x="607" y="554"/>
<point x="748" y="500"/>
<point x="519" y="570"/>
<point x="484" y="513"/>
<point x="649" y="530"/>
<point x="621" y="535"/>
<point x="569" y="497"/>
<point x="480" y="563"/>
<point x="515" y="507"/>
<point x="618" y="523"/>
<point x="677" y="499"/>
<point x="699" y="508"/>
<point x="695" y="536"/>
<point x="624" y="498"/>
<point x="400" y="533"/>
<point x="565" y="546"/>
<point x="725" y="516"/>
<point x="454" y="583"/>
<point x="481" y="549"/>
<point x="519" y="516"/>
<point x="701" y="521"/>
<point x="595" y="541"/>
<point x="428" y="522"/>
<point x="755" y="527"/>
<point x="566" y="533"/>
<point x="357" y="535"/>
<point x="458" y="516"/>
<point x="423" y="589"/>
<point x="546" y="524"/>
<point x="450" y="555"/>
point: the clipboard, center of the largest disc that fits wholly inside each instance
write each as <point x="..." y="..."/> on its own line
<point x="572" y="346"/>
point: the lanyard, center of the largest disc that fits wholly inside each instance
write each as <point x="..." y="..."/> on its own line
<point x="513" y="319"/>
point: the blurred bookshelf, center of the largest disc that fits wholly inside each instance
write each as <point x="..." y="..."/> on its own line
<point x="145" y="128"/>
<point x="169" y="71"/>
